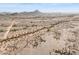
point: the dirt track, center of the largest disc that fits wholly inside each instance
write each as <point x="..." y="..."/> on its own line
<point x="51" y="36"/>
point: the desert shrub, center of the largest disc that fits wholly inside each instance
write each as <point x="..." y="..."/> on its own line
<point x="33" y="25"/>
<point x="62" y="52"/>
<point x="4" y="25"/>
<point x="57" y="35"/>
<point x="24" y="27"/>
<point x="14" y="30"/>
<point x="1" y="30"/>
<point x="15" y="25"/>
<point x="36" y="41"/>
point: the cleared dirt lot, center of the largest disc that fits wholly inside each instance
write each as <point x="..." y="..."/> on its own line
<point x="40" y="35"/>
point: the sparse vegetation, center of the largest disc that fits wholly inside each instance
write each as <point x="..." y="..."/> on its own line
<point x="40" y="33"/>
<point x="1" y="30"/>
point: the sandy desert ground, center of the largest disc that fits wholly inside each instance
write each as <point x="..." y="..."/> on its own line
<point x="39" y="35"/>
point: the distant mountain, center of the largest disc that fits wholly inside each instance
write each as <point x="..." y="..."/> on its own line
<point x="35" y="13"/>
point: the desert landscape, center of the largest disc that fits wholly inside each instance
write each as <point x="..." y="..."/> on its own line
<point x="37" y="33"/>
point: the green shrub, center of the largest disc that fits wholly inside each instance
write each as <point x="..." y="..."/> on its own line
<point x="1" y="30"/>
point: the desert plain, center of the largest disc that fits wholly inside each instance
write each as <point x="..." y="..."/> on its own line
<point x="37" y="33"/>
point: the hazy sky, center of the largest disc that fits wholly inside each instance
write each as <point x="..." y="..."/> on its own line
<point x="44" y="7"/>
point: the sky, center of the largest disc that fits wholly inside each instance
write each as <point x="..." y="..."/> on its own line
<point x="43" y="7"/>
